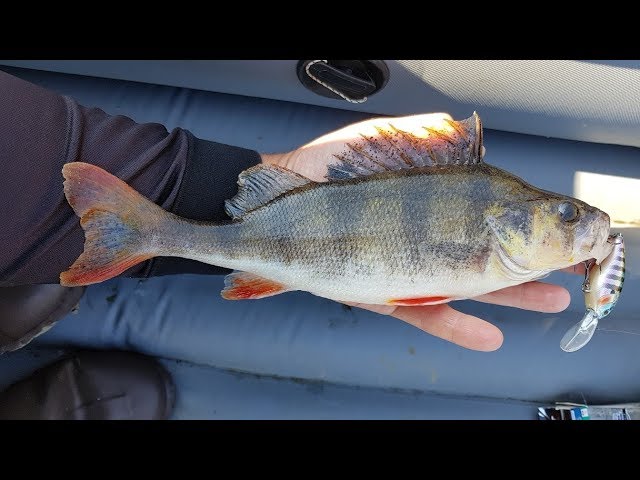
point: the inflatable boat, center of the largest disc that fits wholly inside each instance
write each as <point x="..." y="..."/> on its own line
<point x="572" y="127"/>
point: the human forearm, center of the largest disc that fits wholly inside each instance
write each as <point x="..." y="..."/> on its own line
<point x="41" y="130"/>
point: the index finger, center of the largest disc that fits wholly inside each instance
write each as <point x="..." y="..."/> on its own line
<point x="536" y="296"/>
<point x="445" y="322"/>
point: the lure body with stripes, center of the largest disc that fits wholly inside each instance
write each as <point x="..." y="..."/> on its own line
<point x="602" y="289"/>
<point x="403" y="220"/>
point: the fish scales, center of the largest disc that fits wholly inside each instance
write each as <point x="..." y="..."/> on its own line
<point x="349" y="231"/>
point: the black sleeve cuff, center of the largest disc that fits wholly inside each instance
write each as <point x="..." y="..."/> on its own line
<point x="210" y="178"/>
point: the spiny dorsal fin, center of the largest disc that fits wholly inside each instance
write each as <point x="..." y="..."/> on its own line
<point x="259" y="185"/>
<point x="453" y="143"/>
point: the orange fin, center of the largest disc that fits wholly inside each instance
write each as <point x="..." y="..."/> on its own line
<point x="244" y="285"/>
<point x="109" y="249"/>
<point x="410" y="302"/>
<point x="113" y="216"/>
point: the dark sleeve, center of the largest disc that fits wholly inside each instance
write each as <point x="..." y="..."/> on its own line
<point x="41" y="130"/>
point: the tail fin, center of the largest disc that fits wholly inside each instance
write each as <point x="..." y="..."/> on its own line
<point x="116" y="220"/>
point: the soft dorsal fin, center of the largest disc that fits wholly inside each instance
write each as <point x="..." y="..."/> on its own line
<point x="259" y="185"/>
<point x="453" y="143"/>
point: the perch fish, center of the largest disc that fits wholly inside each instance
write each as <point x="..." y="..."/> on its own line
<point x="404" y="219"/>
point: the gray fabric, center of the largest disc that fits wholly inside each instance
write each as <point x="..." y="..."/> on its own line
<point x="219" y="394"/>
<point x="298" y="335"/>
<point x="593" y="101"/>
<point x="204" y="392"/>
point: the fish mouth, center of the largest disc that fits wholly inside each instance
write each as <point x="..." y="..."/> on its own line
<point x="604" y="248"/>
<point x="600" y="248"/>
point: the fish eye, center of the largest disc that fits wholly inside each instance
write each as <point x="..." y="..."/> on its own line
<point x="568" y="212"/>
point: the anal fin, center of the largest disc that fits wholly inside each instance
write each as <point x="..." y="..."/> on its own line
<point x="245" y="285"/>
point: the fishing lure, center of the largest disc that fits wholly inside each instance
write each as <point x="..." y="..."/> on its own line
<point x="602" y="287"/>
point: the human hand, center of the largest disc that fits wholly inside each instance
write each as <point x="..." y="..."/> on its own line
<point x="312" y="160"/>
